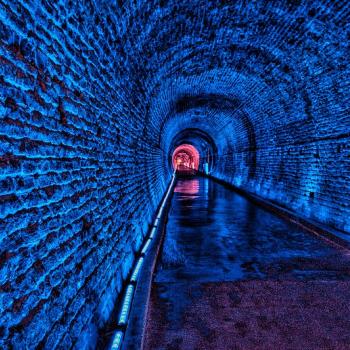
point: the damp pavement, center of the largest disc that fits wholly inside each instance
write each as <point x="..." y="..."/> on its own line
<point x="232" y="275"/>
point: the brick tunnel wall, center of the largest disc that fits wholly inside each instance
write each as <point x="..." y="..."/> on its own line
<point x="92" y="95"/>
<point x="79" y="181"/>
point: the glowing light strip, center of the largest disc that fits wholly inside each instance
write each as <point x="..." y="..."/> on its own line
<point x="146" y="246"/>
<point x="126" y="305"/>
<point x="117" y="340"/>
<point x="160" y="212"/>
<point x="137" y="270"/>
<point x="124" y="314"/>
<point x="153" y="232"/>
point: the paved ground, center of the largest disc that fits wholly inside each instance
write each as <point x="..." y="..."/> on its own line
<point x="233" y="276"/>
<point x="251" y="315"/>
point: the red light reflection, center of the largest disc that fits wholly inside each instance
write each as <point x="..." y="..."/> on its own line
<point x="189" y="187"/>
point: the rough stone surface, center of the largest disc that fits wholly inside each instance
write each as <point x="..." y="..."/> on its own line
<point x="93" y="94"/>
<point x="253" y="315"/>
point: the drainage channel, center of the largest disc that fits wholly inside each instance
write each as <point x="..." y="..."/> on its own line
<point x="123" y="320"/>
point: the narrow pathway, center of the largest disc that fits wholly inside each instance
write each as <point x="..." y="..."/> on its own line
<point x="233" y="276"/>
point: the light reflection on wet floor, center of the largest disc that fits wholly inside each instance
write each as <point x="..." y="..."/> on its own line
<point x="234" y="276"/>
<point x="214" y="234"/>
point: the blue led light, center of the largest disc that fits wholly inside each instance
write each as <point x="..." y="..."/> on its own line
<point x="137" y="269"/>
<point x="153" y="232"/>
<point x="117" y="340"/>
<point x="146" y="246"/>
<point x="126" y="305"/>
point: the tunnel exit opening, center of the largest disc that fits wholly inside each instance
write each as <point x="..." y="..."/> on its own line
<point x="192" y="146"/>
<point x="185" y="158"/>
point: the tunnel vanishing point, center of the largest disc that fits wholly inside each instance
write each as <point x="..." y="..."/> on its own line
<point x="102" y="101"/>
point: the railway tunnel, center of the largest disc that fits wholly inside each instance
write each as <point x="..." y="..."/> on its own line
<point x="102" y="100"/>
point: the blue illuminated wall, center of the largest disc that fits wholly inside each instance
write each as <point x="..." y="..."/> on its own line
<point x="93" y="94"/>
<point x="79" y="179"/>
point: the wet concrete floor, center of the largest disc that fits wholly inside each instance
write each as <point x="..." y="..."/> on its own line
<point x="234" y="276"/>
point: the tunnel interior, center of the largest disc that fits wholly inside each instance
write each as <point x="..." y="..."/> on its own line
<point x="202" y="144"/>
<point x="185" y="156"/>
<point x="95" y="98"/>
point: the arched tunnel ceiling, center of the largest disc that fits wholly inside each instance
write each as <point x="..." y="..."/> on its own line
<point x="245" y="58"/>
<point x="257" y="54"/>
<point x="267" y="39"/>
<point x="214" y="107"/>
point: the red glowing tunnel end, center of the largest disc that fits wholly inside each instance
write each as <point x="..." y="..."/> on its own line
<point x="185" y="157"/>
